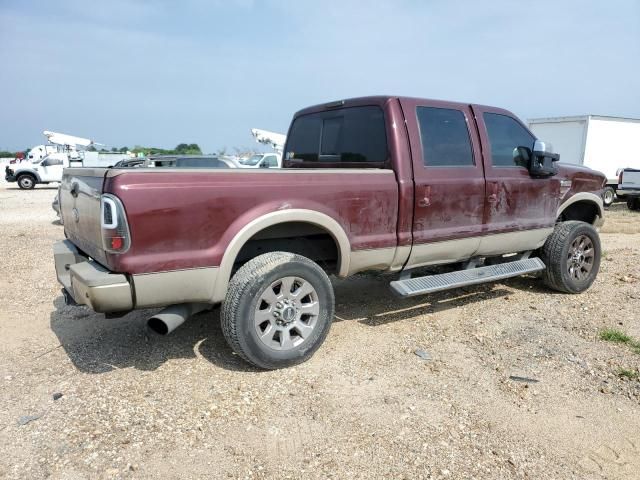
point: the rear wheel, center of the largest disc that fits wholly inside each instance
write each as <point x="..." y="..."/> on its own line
<point x="26" y="182"/>
<point x="278" y="310"/>
<point x="633" y="203"/>
<point x="608" y="196"/>
<point x="572" y="256"/>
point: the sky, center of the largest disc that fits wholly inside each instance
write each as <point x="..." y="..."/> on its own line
<point x="159" y="73"/>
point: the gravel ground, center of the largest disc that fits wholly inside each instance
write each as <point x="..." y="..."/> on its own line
<point x="135" y="405"/>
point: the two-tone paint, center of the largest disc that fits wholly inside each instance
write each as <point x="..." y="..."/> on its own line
<point x="187" y="226"/>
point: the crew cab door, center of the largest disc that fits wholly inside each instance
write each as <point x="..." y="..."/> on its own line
<point x="51" y="169"/>
<point x="519" y="210"/>
<point x="269" y="161"/>
<point x="448" y="181"/>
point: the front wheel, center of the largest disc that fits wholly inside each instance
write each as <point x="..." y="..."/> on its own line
<point x="608" y="196"/>
<point x="26" y="182"/>
<point x="278" y="310"/>
<point x="572" y="256"/>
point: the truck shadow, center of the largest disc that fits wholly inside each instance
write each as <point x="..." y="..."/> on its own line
<point x="368" y="300"/>
<point x="37" y="187"/>
<point x="98" y="345"/>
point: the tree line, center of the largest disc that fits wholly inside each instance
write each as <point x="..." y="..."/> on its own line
<point x="181" y="149"/>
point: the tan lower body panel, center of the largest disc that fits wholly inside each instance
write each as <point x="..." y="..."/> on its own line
<point x="512" y="242"/>
<point x="451" y="251"/>
<point x="178" y="286"/>
<point x="374" y="259"/>
<point x="442" y="252"/>
<point x="199" y="284"/>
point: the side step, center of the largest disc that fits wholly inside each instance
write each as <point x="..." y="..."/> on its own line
<point x="461" y="278"/>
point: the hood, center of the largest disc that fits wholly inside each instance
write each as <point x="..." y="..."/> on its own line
<point x="583" y="179"/>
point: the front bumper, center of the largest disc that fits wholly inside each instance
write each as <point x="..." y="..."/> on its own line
<point x="10" y="178"/>
<point x="89" y="283"/>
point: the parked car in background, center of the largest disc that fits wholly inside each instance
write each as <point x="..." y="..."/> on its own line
<point x="629" y="187"/>
<point x="204" y="162"/>
<point x="262" y="160"/>
<point x="132" y="162"/>
<point x="463" y="185"/>
<point x="190" y="161"/>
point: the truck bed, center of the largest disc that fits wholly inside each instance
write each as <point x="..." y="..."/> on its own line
<point x="186" y="218"/>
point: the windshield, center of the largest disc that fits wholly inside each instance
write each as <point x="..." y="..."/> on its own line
<point x="252" y="160"/>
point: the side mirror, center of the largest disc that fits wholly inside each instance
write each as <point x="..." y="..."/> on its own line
<point x="543" y="160"/>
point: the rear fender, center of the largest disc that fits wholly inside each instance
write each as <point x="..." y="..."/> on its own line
<point x="273" y="218"/>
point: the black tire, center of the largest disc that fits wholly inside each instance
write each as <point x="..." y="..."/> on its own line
<point x="248" y="287"/>
<point x="608" y="196"/>
<point x="556" y="255"/>
<point x="26" y="181"/>
<point x="633" y="203"/>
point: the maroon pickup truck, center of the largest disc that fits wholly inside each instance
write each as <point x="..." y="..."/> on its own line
<point x="377" y="183"/>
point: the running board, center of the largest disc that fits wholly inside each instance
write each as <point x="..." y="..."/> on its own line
<point x="461" y="278"/>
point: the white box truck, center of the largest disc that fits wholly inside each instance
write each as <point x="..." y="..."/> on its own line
<point x="607" y="144"/>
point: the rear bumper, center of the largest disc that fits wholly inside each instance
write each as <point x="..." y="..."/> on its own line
<point x="89" y="283"/>
<point x="632" y="192"/>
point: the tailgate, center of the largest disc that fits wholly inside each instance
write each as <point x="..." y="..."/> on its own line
<point x="80" y="192"/>
<point x="630" y="180"/>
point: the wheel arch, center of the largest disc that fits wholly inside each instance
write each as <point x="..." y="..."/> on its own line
<point x="584" y="206"/>
<point x="31" y="173"/>
<point x="282" y="217"/>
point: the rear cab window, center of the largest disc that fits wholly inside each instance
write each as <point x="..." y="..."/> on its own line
<point x="352" y="137"/>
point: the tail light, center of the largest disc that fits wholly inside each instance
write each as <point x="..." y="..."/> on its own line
<point x="114" y="226"/>
<point x="620" y="177"/>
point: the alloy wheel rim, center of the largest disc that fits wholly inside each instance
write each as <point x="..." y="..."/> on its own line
<point x="580" y="258"/>
<point x="608" y="196"/>
<point x="286" y="313"/>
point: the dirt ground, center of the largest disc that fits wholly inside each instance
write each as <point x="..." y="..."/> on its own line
<point x="135" y="405"/>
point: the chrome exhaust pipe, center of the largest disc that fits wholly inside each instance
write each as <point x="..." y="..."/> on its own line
<point x="168" y="319"/>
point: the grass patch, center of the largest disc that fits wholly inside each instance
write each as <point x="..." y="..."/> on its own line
<point x="613" y="335"/>
<point x="616" y="336"/>
<point x="628" y="374"/>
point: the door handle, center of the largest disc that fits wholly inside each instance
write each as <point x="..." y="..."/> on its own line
<point x="424" y="202"/>
<point x="493" y="198"/>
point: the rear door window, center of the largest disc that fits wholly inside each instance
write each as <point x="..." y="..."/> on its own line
<point x="445" y="137"/>
<point x="353" y="137"/>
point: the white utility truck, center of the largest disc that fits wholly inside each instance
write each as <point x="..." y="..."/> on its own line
<point x="265" y="160"/>
<point x="262" y="160"/>
<point x="273" y="139"/>
<point x="607" y="144"/>
<point x="62" y="153"/>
